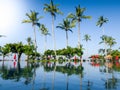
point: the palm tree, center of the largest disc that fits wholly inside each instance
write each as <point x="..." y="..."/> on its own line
<point x="104" y="40"/>
<point x="66" y="25"/>
<point x="111" y="42"/>
<point x="45" y="33"/>
<point x="29" y="41"/>
<point x="29" y="48"/>
<point x="77" y="17"/>
<point x="87" y="37"/>
<point x="53" y="10"/>
<point x="33" y="19"/>
<point x="101" y="21"/>
<point x="101" y="51"/>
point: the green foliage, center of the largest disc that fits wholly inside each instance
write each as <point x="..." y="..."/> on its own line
<point x="66" y="52"/>
<point x="67" y="25"/>
<point x="87" y="37"/>
<point x="79" y="14"/>
<point x="115" y="53"/>
<point x="33" y="18"/>
<point x="108" y="40"/>
<point x="52" y="9"/>
<point x="4" y="51"/>
<point x="101" y="21"/>
<point x="49" y="52"/>
<point x="19" y="48"/>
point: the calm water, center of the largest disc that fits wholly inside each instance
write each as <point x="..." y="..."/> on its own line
<point x="59" y="76"/>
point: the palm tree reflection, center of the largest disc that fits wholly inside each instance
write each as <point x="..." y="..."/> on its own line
<point x="110" y="81"/>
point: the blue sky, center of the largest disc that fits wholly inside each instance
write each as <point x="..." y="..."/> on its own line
<point x="12" y="12"/>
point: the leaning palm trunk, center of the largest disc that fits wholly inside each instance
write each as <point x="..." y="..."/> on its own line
<point x="79" y="34"/>
<point x="66" y="39"/>
<point x="35" y="43"/>
<point x="53" y="35"/>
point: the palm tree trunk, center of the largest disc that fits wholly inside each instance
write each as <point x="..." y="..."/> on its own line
<point x="79" y="34"/>
<point x="66" y="39"/>
<point x="103" y="32"/>
<point x="53" y="35"/>
<point x="35" y="42"/>
<point x="45" y="42"/>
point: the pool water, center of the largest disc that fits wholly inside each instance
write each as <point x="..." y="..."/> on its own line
<point x="58" y="76"/>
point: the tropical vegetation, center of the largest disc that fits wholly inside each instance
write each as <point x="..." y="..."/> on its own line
<point x="73" y="19"/>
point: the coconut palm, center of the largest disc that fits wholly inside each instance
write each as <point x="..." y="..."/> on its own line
<point x="77" y="17"/>
<point x="104" y="40"/>
<point x="53" y="10"/>
<point x="101" y="51"/>
<point x="34" y="20"/>
<point x="29" y="48"/>
<point x="87" y="37"/>
<point x="45" y="33"/>
<point x="67" y="25"/>
<point x="101" y="21"/>
<point x="29" y="41"/>
<point x="111" y="42"/>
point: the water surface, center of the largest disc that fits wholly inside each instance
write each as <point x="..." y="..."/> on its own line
<point x="58" y="76"/>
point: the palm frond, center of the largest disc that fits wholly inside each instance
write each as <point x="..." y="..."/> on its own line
<point x="70" y="30"/>
<point x="26" y="21"/>
<point x="86" y="17"/>
<point x="70" y="15"/>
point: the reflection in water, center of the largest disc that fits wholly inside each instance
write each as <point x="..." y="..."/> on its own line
<point x="110" y="81"/>
<point x="59" y="75"/>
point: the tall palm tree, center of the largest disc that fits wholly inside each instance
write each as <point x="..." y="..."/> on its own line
<point x="67" y="26"/>
<point x="78" y="16"/>
<point x="87" y="38"/>
<point x="34" y="20"/>
<point x="45" y="33"/>
<point x="101" y="21"/>
<point x="53" y="10"/>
